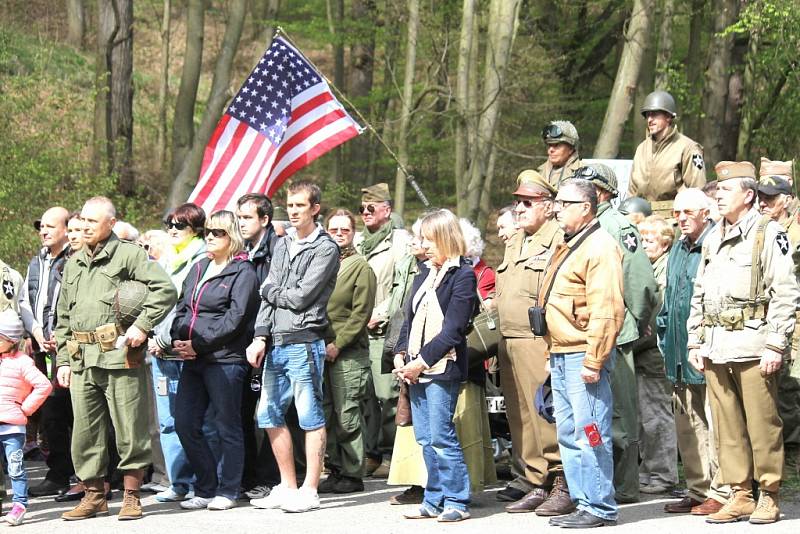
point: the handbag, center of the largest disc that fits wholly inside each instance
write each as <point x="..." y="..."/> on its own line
<point x="403" y="415"/>
<point x="484" y="334"/>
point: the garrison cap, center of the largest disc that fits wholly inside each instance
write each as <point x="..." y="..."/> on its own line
<point x="532" y="184"/>
<point x="774" y="185"/>
<point x="776" y="168"/>
<point x="376" y="193"/>
<point x="727" y="170"/>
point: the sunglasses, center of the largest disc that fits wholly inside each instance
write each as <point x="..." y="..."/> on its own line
<point x="552" y="131"/>
<point x="175" y="224"/>
<point x="343" y="231"/>
<point x="216" y="232"/>
<point x="687" y="212"/>
<point x="528" y="203"/>
<point x="369" y="207"/>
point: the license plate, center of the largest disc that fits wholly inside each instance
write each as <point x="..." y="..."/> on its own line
<point x="496" y="404"/>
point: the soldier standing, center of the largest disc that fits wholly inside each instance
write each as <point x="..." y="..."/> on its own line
<point x="641" y="299"/>
<point x="561" y="138"/>
<point x="741" y="321"/>
<point x="666" y="161"/>
<point x="101" y="363"/>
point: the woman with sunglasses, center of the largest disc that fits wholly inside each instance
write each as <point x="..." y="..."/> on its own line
<point x="214" y="320"/>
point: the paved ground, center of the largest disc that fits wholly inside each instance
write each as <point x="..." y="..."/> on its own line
<point x="368" y="512"/>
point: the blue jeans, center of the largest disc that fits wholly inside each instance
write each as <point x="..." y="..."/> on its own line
<point x="293" y="370"/>
<point x="589" y="470"/>
<point x="432" y="407"/>
<point x="178" y="468"/>
<point x="13" y="444"/>
<point x="216" y="385"/>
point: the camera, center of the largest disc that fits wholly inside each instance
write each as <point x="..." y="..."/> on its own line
<point x="593" y="434"/>
<point x="537" y="321"/>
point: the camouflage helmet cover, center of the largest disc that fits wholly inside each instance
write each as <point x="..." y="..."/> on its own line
<point x="600" y="175"/>
<point x="561" y="132"/>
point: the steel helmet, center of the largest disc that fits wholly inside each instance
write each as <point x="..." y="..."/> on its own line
<point x="659" y="101"/>
<point x="600" y="175"/>
<point x="635" y="205"/>
<point x="561" y="132"/>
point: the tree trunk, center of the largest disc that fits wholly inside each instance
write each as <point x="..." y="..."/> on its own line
<point x="664" y="44"/>
<point x="715" y="93"/>
<point x="622" y="94"/>
<point x="218" y="98"/>
<point x="265" y="12"/>
<point x="647" y="75"/>
<point x="76" y="23"/>
<point x="405" y="114"/>
<point x="335" y="18"/>
<point x="745" y="131"/>
<point x="503" y="17"/>
<point x="363" y="13"/>
<point x="462" y="104"/>
<point x="736" y="96"/>
<point x="163" y="89"/>
<point x="183" y="121"/>
<point x="694" y="66"/>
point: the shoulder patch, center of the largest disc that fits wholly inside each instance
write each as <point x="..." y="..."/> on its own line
<point x="8" y="288"/>
<point x="630" y="241"/>
<point x="697" y="161"/>
<point x="782" y="240"/>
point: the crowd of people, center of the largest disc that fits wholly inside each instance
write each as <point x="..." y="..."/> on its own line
<point x="625" y="336"/>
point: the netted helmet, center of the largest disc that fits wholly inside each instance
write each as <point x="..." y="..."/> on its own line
<point x="129" y="302"/>
<point x="561" y="132"/>
<point x="659" y="101"/>
<point x="600" y="175"/>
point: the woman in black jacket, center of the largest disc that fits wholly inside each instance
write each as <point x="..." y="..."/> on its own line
<point x="214" y="319"/>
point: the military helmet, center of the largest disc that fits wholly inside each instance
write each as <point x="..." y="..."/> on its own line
<point x="659" y="101"/>
<point x="561" y="132"/>
<point x="600" y="175"/>
<point x="635" y="205"/>
<point x="129" y="302"/>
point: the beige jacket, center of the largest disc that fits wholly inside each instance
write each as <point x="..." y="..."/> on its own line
<point x="723" y="284"/>
<point x="662" y="169"/>
<point x="382" y="260"/>
<point x="556" y="176"/>
<point x="520" y="275"/>
<point x="585" y="309"/>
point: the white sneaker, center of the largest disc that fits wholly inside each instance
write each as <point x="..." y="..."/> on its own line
<point x="221" y="503"/>
<point x="170" y="495"/>
<point x="275" y="498"/>
<point x="303" y="500"/>
<point x="196" y="503"/>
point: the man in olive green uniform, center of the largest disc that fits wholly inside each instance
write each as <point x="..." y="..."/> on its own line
<point x="561" y="138"/>
<point x="666" y="161"/>
<point x="641" y="300"/>
<point x="101" y="362"/>
<point x="741" y="322"/>
<point x="384" y="245"/>
<point x="522" y="356"/>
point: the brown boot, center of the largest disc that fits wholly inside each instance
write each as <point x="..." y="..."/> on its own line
<point x="131" y="505"/>
<point x="738" y="508"/>
<point x="558" y="502"/>
<point x="93" y="502"/>
<point x="767" y="510"/>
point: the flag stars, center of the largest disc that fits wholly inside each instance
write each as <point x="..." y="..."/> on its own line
<point x="258" y="109"/>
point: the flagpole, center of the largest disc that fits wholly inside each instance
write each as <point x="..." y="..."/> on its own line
<point x="279" y="31"/>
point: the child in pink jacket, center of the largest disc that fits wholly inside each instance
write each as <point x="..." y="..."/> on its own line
<point x="23" y="388"/>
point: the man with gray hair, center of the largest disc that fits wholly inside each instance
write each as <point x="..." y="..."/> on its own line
<point x="561" y="138"/>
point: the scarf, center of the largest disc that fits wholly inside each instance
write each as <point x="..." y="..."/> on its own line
<point x="185" y="253"/>
<point x="346" y="252"/>
<point x="371" y="240"/>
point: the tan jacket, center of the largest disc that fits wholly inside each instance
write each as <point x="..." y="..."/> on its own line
<point x="662" y="169"/>
<point x="520" y="275"/>
<point x="382" y="260"/>
<point x="723" y="284"/>
<point x="556" y="176"/>
<point x="585" y="309"/>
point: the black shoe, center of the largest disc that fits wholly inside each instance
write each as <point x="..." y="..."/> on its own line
<point x="556" y="521"/>
<point x="510" y="494"/>
<point x="47" y="487"/>
<point x="348" y="485"/>
<point x="329" y="484"/>
<point x="69" y="497"/>
<point x="583" y="519"/>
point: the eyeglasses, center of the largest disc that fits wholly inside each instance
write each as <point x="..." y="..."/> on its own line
<point x="528" y="203"/>
<point x="343" y="231"/>
<point x="552" y="131"/>
<point x="687" y="212"/>
<point x="175" y="224"/>
<point x="560" y="203"/>
<point x="216" y="232"/>
<point x="368" y="207"/>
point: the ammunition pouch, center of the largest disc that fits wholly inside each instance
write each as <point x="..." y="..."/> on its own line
<point x="104" y="335"/>
<point x="74" y="349"/>
<point x="735" y="319"/>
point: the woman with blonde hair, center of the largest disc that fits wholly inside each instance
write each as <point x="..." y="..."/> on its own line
<point x="214" y="320"/>
<point x="431" y="356"/>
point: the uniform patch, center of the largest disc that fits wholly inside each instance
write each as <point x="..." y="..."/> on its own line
<point x="697" y="161"/>
<point x="8" y="289"/>
<point x="783" y="243"/>
<point x="630" y="241"/>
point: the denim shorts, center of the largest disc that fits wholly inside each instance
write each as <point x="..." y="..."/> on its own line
<point x="293" y="370"/>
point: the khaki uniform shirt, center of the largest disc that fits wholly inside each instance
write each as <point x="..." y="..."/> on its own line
<point x="382" y="260"/>
<point x="520" y="275"/>
<point x="723" y="284"/>
<point x="556" y="176"/>
<point x="662" y="169"/>
<point x="14" y="295"/>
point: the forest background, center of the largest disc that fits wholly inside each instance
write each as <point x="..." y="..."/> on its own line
<point x="119" y="98"/>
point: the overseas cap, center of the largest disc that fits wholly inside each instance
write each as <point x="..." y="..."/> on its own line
<point x="600" y="175"/>
<point x="561" y="132"/>
<point x="776" y="168"/>
<point x="727" y="170"/>
<point x="774" y="185"/>
<point x="376" y="193"/>
<point x="531" y="184"/>
<point x="10" y="325"/>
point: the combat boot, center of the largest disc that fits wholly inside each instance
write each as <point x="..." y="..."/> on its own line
<point x="767" y="510"/>
<point x="558" y="502"/>
<point x="131" y="506"/>
<point x="93" y="502"/>
<point x="738" y="508"/>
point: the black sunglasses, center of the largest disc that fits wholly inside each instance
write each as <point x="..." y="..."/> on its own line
<point x="175" y="224"/>
<point x="529" y="202"/>
<point x="216" y="232"/>
<point x="552" y="131"/>
<point x="369" y="207"/>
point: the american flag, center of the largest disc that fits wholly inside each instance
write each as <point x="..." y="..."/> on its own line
<point x="283" y="118"/>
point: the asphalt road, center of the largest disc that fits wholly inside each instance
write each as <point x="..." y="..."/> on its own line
<point x="367" y="512"/>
